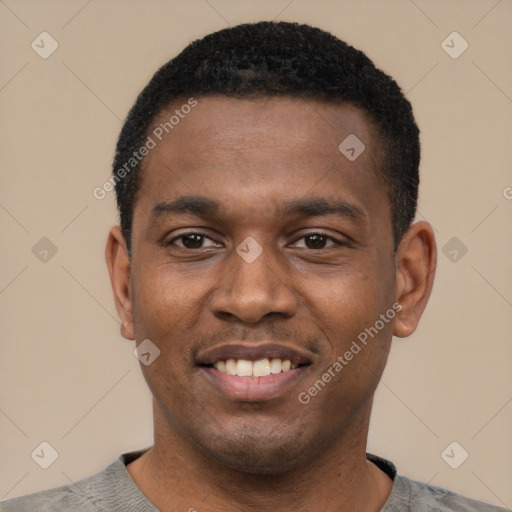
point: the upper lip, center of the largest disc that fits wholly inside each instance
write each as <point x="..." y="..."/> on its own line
<point x="253" y="352"/>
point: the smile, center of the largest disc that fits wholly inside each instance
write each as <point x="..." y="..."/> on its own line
<point x="261" y="368"/>
<point x="253" y="372"/>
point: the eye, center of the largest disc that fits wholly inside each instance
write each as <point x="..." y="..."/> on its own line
<point x="192" y="241"/>
<point x="318" y="241"/>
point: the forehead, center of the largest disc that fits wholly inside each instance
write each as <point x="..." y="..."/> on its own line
<point x="263" y="148"/>
<point x="222" y="122"/>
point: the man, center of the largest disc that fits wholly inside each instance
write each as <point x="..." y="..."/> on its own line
<point x="266" y="180"/>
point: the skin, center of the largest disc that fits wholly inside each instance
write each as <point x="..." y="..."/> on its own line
<point x="252" y="156"/>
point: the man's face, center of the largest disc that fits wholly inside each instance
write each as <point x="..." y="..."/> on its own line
<point x="233" y="178"/>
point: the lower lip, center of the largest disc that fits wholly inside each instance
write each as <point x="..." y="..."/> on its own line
<point x="253" y="389"/>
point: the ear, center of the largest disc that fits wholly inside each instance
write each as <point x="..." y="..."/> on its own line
<point x="416" y="261"/>
<point x="119" y="268"/>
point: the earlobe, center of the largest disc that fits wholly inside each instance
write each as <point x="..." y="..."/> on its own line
<point x="416" y="261"/>
<point x="119" y="268"/>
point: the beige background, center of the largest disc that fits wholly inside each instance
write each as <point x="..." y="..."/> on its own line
<point x="66" y="375"/>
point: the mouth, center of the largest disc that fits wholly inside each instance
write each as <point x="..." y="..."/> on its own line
<point x="253" y="372"/>
<point x="260" y="368"/>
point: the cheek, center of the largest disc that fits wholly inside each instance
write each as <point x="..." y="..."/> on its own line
<point x="163" y="301"/>
<point x="165" y="309"/>
<point x="348" y="311"/>
<point x="348" y="376"/>
<point x="345" y="304"/>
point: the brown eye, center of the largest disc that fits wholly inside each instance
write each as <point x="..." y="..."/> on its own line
<point x="315" y="241"/>
<point x="192" y="241"/>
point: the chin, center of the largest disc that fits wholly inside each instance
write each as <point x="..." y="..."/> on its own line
<point x="258" y="454"/>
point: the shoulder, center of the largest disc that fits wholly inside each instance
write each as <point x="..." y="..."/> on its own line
<point x="68" y="497"/>
<point x="88" y="495"/>
<point x="413" y="496"/>
<point x="424" y="497"/>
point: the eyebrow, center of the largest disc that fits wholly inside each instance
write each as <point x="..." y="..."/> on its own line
<point x="196" y="205"/>
<point x="319" y="206"/>
<point x="305" y="207"/>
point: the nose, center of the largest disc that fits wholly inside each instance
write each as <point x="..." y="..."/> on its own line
<point x="249" y="290"/>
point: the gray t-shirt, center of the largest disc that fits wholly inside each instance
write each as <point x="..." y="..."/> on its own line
<point x="113" y="490"/>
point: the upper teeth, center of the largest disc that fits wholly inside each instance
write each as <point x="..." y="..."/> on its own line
<point x="260" y="368"/>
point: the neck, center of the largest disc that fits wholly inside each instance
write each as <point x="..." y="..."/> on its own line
<point x="175" y="475"/>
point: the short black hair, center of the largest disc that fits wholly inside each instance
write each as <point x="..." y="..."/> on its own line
<point x="279" y="59"/>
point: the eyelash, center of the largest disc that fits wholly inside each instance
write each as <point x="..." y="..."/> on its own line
<point x="204" y="235"/>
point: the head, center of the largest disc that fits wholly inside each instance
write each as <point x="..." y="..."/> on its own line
<point x="269" y="217"/>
